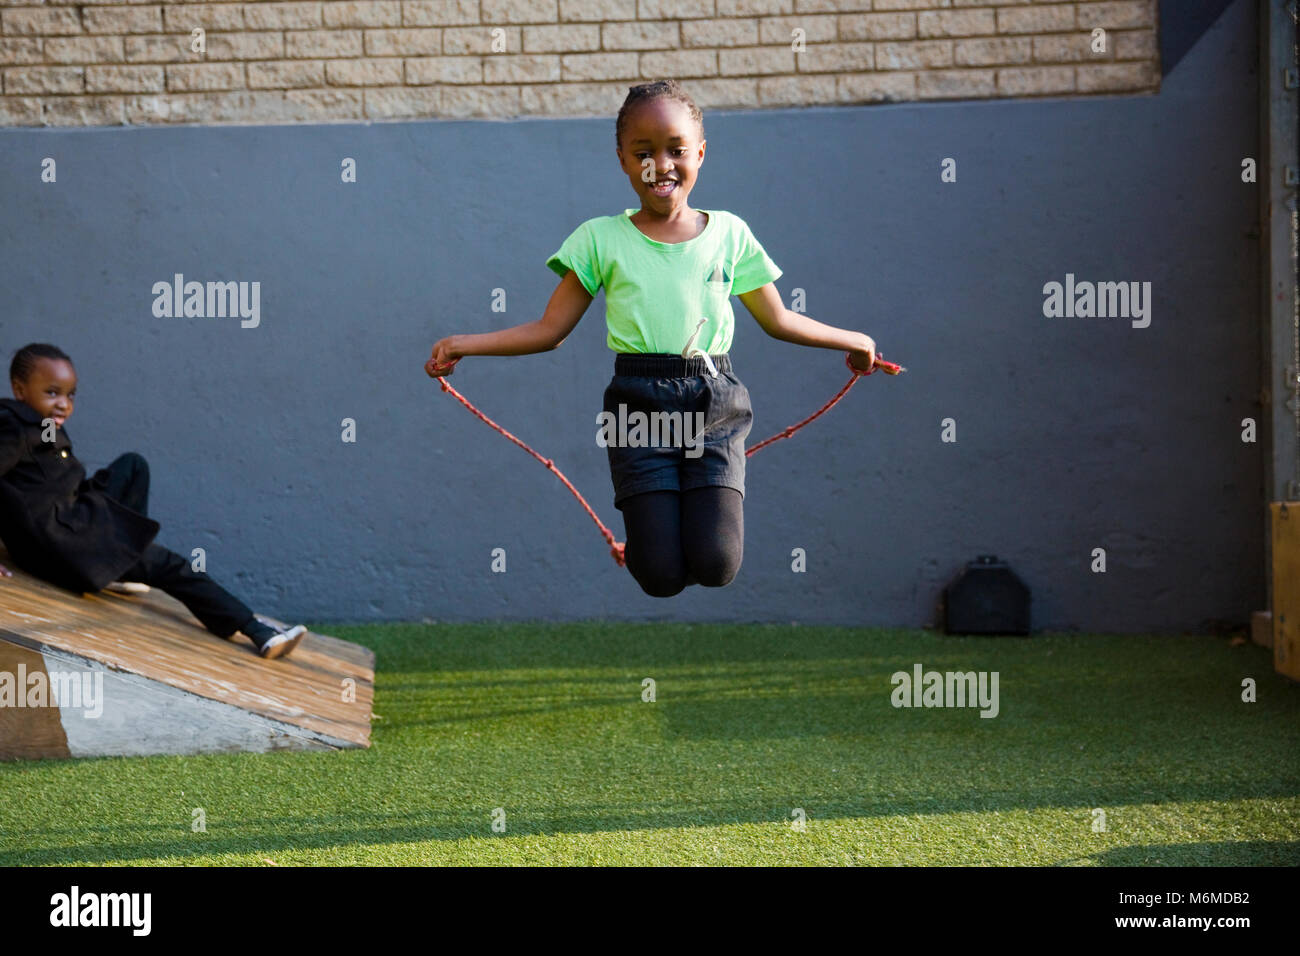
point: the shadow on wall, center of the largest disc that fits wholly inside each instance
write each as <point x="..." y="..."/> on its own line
<point x="1182" y="23"/>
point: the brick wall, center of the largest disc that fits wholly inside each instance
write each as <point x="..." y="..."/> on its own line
<point x="104" y="62"/>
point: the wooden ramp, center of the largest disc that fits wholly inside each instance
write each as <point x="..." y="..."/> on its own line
<point x="126" y="675"/>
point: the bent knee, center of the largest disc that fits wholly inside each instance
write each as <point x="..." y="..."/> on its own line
<point x="136" y="460"/>
<point x="715" y="569"/>
<point x="660" y="585"/>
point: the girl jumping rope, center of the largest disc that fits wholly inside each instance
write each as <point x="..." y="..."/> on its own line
<point x="668" y="272"/>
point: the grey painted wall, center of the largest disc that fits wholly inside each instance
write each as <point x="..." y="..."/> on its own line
<point x="1072" y="433"/>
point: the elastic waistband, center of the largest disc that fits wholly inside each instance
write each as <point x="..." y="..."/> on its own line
<point x="665" y="365"/>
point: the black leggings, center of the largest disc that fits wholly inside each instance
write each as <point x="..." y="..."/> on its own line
<point x="679" y="538"/>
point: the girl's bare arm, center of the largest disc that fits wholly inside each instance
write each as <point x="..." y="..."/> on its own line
<point x="764" y="304"/>
<point x="568" y="303"/>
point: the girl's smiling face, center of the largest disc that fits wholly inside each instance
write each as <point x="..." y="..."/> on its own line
<point x="50" y="389"/>
<point x="662" y="144"/>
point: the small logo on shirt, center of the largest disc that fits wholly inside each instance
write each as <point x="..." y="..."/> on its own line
<point x="719" y="276"/>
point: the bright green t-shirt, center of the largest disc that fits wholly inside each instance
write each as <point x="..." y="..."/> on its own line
<point x="657" y="292"/>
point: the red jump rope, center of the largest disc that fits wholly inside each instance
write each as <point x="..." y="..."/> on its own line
<point x="616" y="548"/>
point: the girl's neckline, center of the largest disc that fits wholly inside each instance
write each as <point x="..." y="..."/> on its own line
<point x="708" y="224"/>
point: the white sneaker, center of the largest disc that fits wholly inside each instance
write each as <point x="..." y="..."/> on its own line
<point x="283" y="642"/>
<point x="127" y="587"/>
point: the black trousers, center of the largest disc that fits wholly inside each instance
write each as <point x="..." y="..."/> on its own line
<point x="127" y="480"/>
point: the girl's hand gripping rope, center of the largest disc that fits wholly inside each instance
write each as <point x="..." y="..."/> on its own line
<point x="889" y="368"/>
<point x="866" y="360"/>
<point x="442" y="361"/>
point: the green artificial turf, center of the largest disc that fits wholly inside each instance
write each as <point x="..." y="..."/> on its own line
<point x="750" y="722"/>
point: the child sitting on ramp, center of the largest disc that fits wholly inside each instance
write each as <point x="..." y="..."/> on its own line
<point x="90" y="534"/>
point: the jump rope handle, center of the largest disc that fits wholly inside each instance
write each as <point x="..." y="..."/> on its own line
<point x="889" y="368"/>
<point x="434" y="370"/>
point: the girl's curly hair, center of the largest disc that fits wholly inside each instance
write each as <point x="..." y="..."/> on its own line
<point x="637" y="95"/>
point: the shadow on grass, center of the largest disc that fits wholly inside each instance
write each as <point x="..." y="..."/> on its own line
<point x="772" y="719"/>
<point x="267" y="836"/>
<point x="1244" y="853"/>
<point x="765" y="702"/>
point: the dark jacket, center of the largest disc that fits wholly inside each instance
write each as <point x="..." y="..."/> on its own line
<point x="54" y="524"/>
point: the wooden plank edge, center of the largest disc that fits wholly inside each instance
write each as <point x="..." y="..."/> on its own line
<point x="284" y="735"/>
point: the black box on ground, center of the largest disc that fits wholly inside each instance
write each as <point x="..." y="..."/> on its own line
<point x="986" y="598"/>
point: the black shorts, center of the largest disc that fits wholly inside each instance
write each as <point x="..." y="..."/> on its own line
<point x="690" y="431"/>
